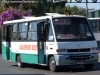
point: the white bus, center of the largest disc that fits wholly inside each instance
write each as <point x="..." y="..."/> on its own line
<point x="53" y="40"/>
<point x="95" y="25"/>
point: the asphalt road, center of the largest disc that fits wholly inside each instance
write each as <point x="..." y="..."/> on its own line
<point x="8" y="67"/>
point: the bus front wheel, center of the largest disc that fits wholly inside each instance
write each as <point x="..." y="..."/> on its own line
<point x="19" y="63"/>
<point x="52" y="64"/>
<point x="88" y="66"/>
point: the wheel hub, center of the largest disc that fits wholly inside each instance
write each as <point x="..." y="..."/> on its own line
<point x="18" y="64"/>
<point x="52" y="64"/>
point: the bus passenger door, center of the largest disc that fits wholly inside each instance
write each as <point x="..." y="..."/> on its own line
<point x="8" y="41"/>
<point x="40" y="35"/>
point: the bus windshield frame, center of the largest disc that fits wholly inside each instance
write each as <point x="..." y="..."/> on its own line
<point x="75" y="24"/>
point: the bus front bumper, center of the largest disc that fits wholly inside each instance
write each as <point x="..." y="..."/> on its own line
<point x="75" y="59"/>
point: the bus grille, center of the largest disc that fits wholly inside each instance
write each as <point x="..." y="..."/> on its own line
<point x="80" y="57"/>
<point x="78" y="50"/>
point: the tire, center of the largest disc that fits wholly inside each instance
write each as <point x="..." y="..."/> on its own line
<point x="88" y="66"/>
<point x="19" y="63"/>
<point x="52" y="64"/>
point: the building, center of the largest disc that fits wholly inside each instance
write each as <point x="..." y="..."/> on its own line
<point x="94" y="13"/>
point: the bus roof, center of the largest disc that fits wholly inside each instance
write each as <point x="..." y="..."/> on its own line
<point x="48" y="15"/>
<point x="94" y="18"/>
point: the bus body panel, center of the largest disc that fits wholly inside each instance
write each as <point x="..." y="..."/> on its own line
<point x="95" y="26"/>
<point x="77" y="45"/>
<point x="63" y="55"/>
<point x="64" y="46"/>
<point x="6" y="51"/>
<point x="50" y="47"/>
<point x="27" y="50"/>
<point x="97" y="37"/>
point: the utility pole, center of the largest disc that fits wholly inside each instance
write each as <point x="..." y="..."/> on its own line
<point x="87" y="8"/>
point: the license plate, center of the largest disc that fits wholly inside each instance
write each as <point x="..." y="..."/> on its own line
<point x="80" y="62"/>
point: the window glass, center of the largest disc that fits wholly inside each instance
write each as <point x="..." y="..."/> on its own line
<point x="72" y="29"/>
<point x="51" y="37"/>
<point x="22" y="36"/>
<point x="22" y="27"/>
<point x="32" y="35"/>
<point x="14" y="36"/>
<point x="33" y="26"/>
<point x="94" y="25"/>
<point x="15" y="28"/>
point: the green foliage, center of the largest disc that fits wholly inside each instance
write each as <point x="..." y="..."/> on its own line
<point x="67" y="10"/>
<point x="3" y="8"/>
<point x="42" y="7"/>
<point x="59" y="10"/>
<point x="82" y="11"/>
<point x="75" y="10"/>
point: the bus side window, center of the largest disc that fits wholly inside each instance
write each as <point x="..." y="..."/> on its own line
<point x="22" y="31"/>
<point x="50" y="37"/>
<point x="32" y="31"/>
<point x="14" y="32"/>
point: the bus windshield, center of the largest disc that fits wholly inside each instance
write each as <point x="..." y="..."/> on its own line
<point x="72" y="29"/>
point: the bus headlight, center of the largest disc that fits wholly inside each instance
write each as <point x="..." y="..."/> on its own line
<point x="94" y="48"/>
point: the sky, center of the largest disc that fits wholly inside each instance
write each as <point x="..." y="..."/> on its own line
<point x="90" y="5"/>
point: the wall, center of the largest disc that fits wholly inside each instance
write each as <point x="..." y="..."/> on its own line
<point x="94" y="14"/>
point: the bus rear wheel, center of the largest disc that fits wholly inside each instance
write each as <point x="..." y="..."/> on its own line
<point x="19" y="63"/>
<point x="52" y="64"/>
<point x="88" y="66"/>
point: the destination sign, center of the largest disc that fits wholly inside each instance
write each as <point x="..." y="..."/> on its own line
<point x="62" y="21"/>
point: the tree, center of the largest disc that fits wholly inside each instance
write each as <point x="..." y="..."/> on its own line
<point x="67" y="10"/>
<point x="74" y="10"/>
<point x="12" y="14"/>
<point x="82" y="11"/>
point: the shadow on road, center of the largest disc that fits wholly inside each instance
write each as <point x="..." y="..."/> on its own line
<point x="31" y="66"/>
<point x="72" y="69"/>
